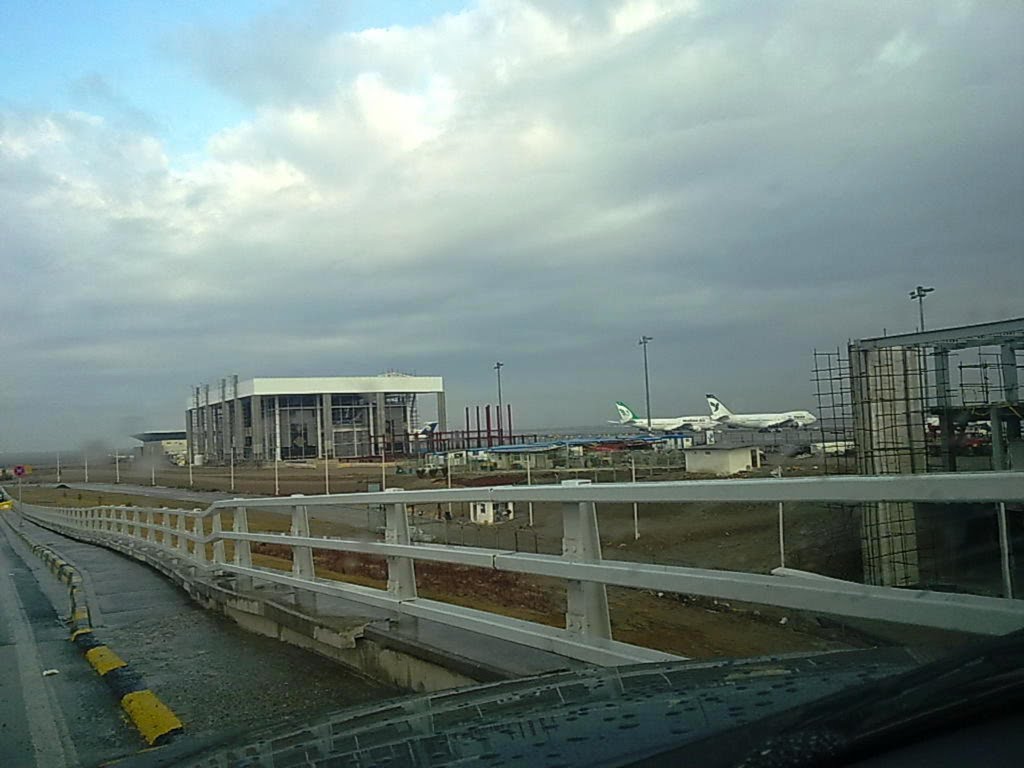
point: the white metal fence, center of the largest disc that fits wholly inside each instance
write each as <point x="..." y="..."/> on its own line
<point x="587" y="635"/>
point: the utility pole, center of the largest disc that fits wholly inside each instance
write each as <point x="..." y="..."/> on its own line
<point x="117" y="466"/>
<point x="497" y="368"/>
<point x="919" y="293"/>
<point x="644" y="341"/>
<point x="85" y="458"/>
<point x="529" y="481"/>
<point x="58" y="467"/>
<point x="636" y="507"/>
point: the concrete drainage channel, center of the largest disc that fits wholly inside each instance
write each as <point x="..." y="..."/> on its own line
<point x="156" y="723"/>
<point x="361" y="639"/>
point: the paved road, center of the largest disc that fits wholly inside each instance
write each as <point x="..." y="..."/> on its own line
<point x="217" y="678"/>
<point x="61" y="720"/>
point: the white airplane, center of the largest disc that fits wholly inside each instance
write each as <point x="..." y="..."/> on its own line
<point x="763" y="421"/>
<point x="680" y="423"/>
<point x="427" y="431"/>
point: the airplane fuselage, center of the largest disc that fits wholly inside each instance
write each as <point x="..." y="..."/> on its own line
<point x="787" y="419"/>
<point x="678" y="424"/>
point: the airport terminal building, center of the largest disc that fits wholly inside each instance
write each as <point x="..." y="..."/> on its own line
<point x="343" y="417"/>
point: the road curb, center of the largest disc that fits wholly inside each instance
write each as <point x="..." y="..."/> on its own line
<point x="154" y="720"/>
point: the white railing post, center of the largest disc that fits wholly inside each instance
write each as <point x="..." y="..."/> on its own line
<point x="136" y="519"/>
<point x="302" y="559"/>
<point x="586" y="601"/>
<point x="182" y="530"/>
<point x="1004" y="551"/>
<point x="218" y="542"/>
<point x="243" y="550"/>
<point x="150" y="522"/>
<point x="166" y="537"/>
<point x="199" y="547"/>
<point x="401" y="573"/>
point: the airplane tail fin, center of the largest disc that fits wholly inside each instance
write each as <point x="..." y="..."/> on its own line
<point x="718" y="411"/>
<point x="625" y="414"/>
<point x="429" y="428"/>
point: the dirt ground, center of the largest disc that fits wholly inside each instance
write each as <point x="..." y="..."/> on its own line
<point x="740" y="537"/>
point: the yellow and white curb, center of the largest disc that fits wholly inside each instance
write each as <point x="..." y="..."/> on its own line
<point x="154" y="720"/>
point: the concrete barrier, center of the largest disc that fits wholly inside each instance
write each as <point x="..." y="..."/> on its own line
<point x="153" y="719"/>
<point x="362" y="644"/>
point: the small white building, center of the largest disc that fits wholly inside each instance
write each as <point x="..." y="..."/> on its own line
<point x="722" y="459"/>
<point x="490" y="512"/>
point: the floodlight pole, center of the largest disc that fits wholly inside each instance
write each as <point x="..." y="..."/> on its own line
<point x="919" y="293"/>
<point x="644" y="341"/>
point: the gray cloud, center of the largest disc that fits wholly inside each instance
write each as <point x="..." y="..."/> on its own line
<point x="536" y="183"/>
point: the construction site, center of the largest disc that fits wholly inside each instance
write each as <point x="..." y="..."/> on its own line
<point x="934" y="401"/>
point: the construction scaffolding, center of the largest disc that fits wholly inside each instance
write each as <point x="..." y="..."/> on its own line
<point x="895" y="400"/>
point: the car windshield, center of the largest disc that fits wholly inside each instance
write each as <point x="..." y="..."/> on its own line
<point x="508" y="381"/>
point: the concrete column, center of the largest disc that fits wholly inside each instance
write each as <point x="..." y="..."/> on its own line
<point x="207" y="424"/>
<point x="259" y="451"/>
<point x="277" y="427"/>
<point x="1008" y="364"/>
<point x="586" y="601"/>
<point x="442" y="413"/>
<point x="381" y="420"/>
<point x="319" y="411"/>
<point x="223" y="435"/>
<point x="328" y="427"/>
<point x="237" y="428"/>
<point x="189" y="435"/>
<point x="1011" y="393"/>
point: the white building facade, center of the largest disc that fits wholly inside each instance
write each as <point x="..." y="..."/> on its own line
<point x="343" y="417"/>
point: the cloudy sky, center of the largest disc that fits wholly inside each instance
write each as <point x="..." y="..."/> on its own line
<point x="193" y="189"/>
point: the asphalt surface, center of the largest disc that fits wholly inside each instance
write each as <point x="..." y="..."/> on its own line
<point x="218" y="679"/>
<point x="65" y="719"/>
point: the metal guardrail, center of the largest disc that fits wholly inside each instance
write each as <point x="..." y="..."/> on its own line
<point x="587" y="634"/>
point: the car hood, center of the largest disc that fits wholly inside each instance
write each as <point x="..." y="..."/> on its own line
<point x="591" y="717"/>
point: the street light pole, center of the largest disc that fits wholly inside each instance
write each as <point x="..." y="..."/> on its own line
<point x="644" y="341"/>
<point x="497" y="368"/>
<point x="919" y="293"/>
